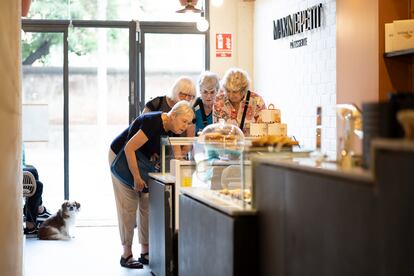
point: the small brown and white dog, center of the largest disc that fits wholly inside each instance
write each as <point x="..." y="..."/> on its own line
<point x="58" y="226"/>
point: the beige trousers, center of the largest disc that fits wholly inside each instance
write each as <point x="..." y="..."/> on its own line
<point x="127" y="203"/>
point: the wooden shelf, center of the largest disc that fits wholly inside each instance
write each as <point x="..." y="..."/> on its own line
<point x="399" y="53"/>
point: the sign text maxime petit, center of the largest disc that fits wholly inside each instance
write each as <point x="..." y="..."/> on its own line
<point x="297" y="23"/>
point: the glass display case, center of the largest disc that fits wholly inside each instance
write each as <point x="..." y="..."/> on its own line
<point x="216" y="167"/>
<point x="219" y="176"/>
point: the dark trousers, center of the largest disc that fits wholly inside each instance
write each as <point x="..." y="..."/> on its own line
<point x="32" y="203"/>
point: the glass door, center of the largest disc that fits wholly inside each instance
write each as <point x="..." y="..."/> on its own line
<point x="72" y="113"/>
<point x="167" y="51"/>
<point x="98" y="112"/>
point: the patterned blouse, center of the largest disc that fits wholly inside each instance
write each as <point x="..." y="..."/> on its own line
<point x="223" y="109"/>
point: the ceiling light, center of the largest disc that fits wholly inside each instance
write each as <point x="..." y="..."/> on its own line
<point x="202" y="24"/>
<point x="189" y="7"/>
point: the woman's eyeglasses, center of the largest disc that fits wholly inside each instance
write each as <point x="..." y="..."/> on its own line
<point x="183" y="95"/>
<point x="209" y="92"/>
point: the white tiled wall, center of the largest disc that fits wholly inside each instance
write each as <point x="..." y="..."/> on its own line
<point x="298" y="80"/>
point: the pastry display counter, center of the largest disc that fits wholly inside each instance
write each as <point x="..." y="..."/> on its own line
<point x="216" y="213"/>
<point x="300" y="212"/>
<point x="216" y="237"/>
<point x="222" y="202"/>
<point x="319" y="219"/>
<point x="218" y="220"/>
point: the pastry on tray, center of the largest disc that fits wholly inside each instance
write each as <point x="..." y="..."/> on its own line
<point x="218" y="137"/>
<point x="237" y="194"/>
<point x="274" y="140"/>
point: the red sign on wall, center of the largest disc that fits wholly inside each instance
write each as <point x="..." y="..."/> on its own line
<point x="224" y="45"/>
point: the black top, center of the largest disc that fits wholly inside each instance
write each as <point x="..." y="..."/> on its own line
<point x="158" y="104"/>
<point x="151" y="124"/>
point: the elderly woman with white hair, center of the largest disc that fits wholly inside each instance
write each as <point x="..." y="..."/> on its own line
<point x="182" y="89"/>
<point x="236" y="104"/>
<point x="141" y="144"/>
<point x="208" y="86"/>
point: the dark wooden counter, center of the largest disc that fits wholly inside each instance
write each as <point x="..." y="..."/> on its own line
<point x="316" y="221"/>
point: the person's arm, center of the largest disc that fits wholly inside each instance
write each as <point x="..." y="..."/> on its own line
<point x="178" y="154"/>
<point x="190" y="132"/>
<point x="136" y="142"/>
<point x="260" y="105"/>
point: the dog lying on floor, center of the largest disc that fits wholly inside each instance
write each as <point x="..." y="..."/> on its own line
<point x="58" y="226"/>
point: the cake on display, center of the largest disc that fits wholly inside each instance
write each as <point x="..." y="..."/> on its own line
<point x="258" y="129"/>
<point x="277" y="129"/>
<point x="270" y="115"/>
<point x="270" y="123"/>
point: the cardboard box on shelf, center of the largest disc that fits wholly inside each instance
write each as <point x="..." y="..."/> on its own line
<point x="389" y="37"/>
<point x="403" y="38"/>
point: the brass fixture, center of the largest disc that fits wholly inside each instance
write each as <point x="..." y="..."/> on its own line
<point x="189" y="6"/>
<point x="351" y="117"/>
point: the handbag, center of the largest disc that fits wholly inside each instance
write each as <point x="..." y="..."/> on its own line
<point x="120" y="169"/>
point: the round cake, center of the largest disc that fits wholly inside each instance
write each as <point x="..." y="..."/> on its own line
<point x="270" y="115"/>
<point x="277" y="129"/>
<point x="258" y="129"/>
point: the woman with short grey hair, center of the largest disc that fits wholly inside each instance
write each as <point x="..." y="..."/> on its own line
<point x="182" y="89"/>
<point x="236" y="104"/>
<point x="141" y="142"/>
<point x="208" y="86"/>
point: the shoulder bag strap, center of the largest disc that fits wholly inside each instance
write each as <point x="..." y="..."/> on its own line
<point x="245" y="110"/>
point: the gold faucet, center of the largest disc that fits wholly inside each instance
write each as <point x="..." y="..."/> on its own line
<point x="351" y="117"/>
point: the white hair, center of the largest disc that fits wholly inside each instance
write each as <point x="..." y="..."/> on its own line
<point x="182" y="84"/>
<point x="208" y="81"/>
<point x="182" y="108"/>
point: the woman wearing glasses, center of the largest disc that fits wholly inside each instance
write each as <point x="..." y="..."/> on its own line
<point x="182" y="89"/>
<point x="236" y="104"/>
<point x="208" y="86"/>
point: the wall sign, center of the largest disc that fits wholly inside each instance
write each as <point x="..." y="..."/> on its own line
<point x="299" y="43"/>
<point x="224" y="45"/>
<point x="298" y="22"/>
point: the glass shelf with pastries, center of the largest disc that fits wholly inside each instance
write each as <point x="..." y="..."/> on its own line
<point x="217" y="170"/>
<point x="219" y="176"/>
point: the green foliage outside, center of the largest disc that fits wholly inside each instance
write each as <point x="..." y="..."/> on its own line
<point x="36" y="46"/>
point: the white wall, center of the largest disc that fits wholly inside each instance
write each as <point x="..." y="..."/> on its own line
<point x="298" y="80"/>
<point x="235" y="17"/>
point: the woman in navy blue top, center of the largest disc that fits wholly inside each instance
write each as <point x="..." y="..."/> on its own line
<point x="142" y="137"/>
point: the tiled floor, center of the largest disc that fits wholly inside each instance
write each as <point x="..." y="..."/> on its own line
<point x="93" y="251"/>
